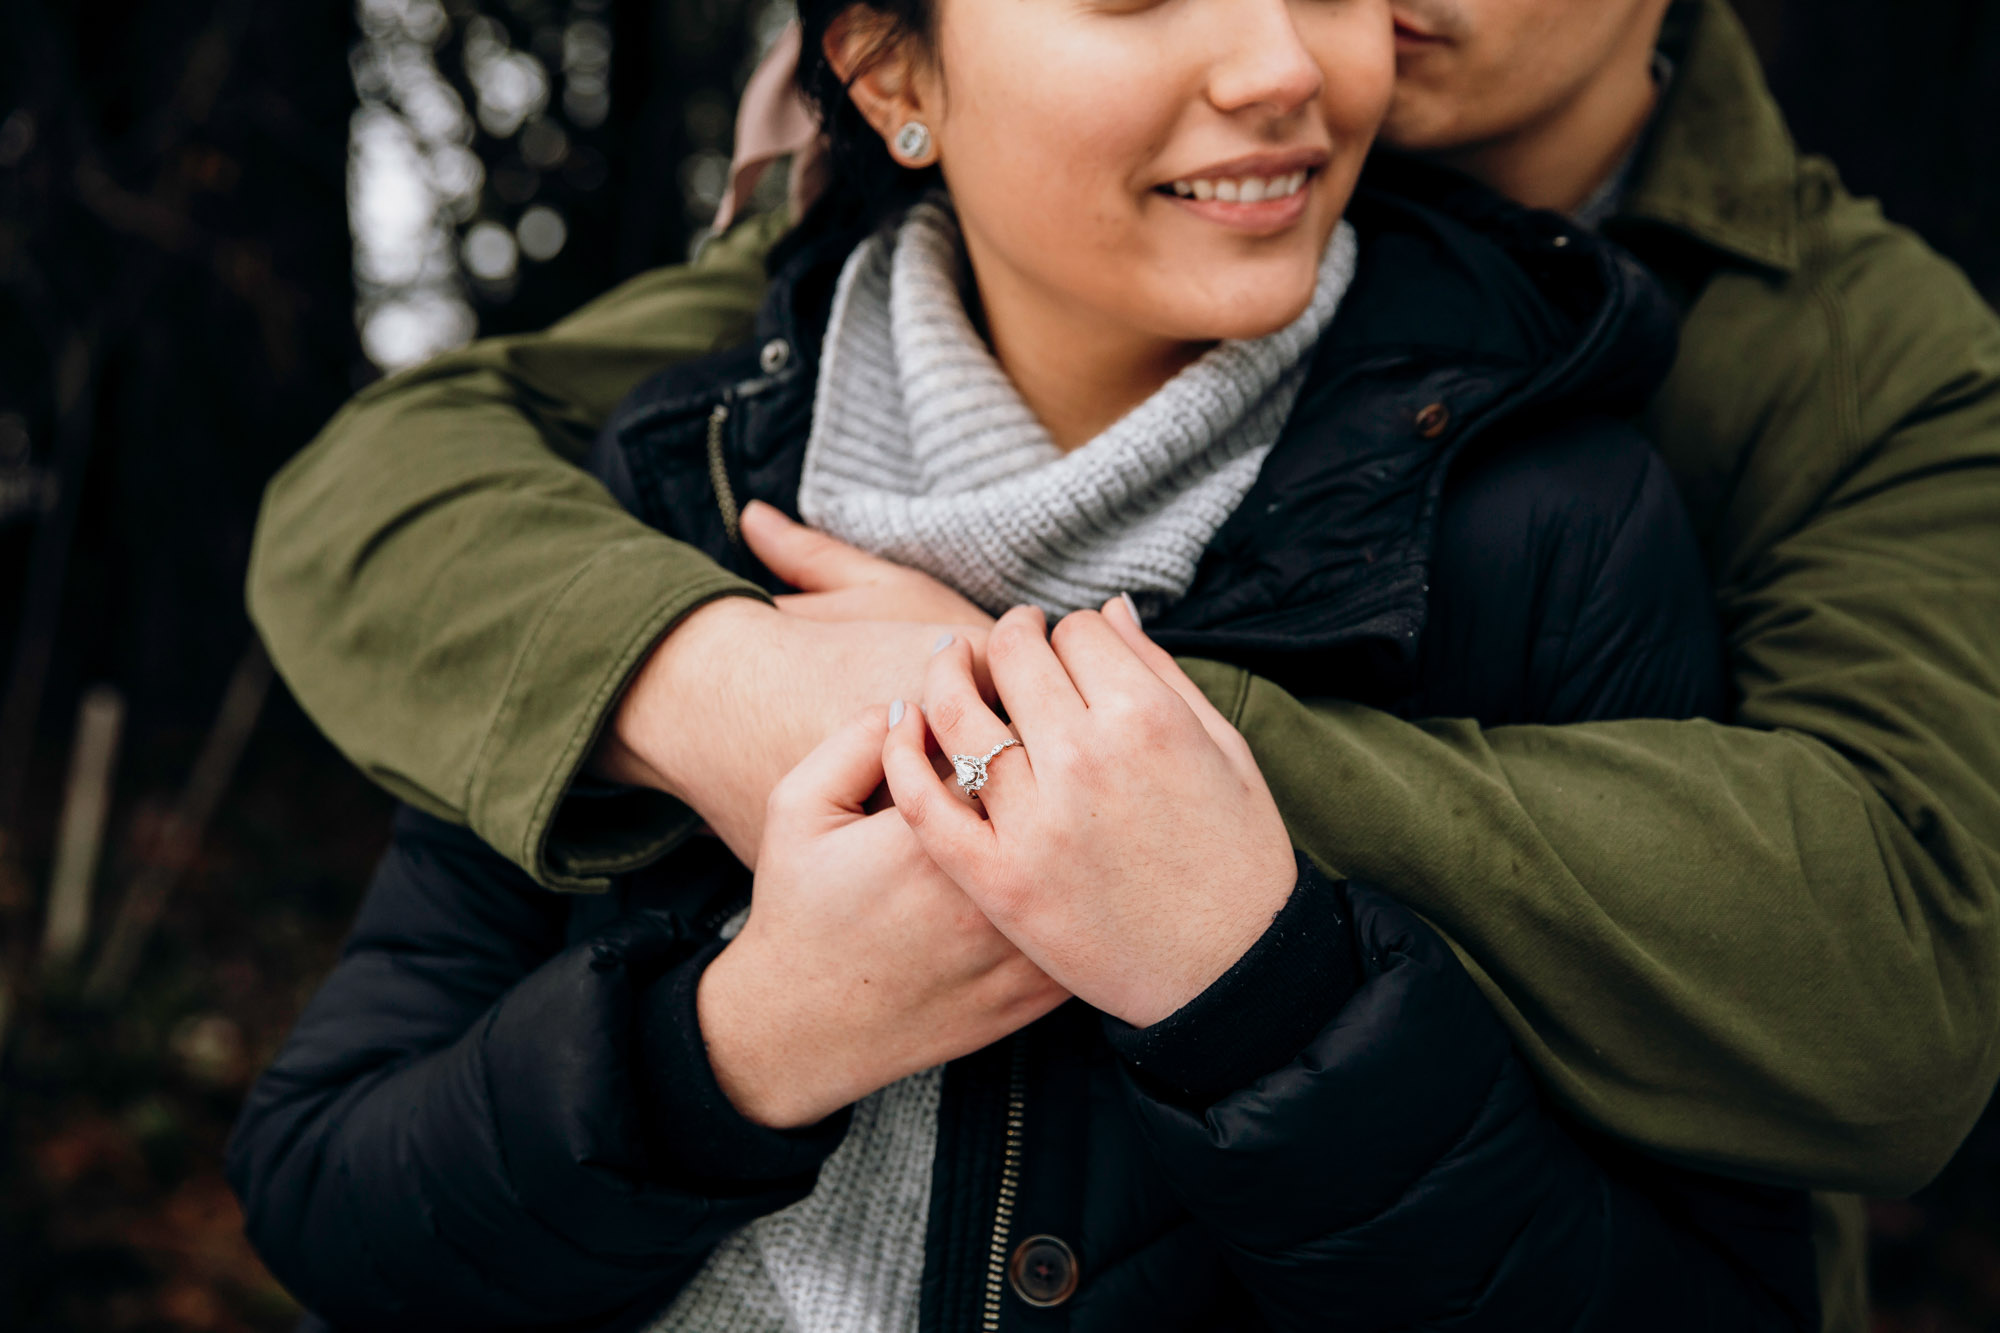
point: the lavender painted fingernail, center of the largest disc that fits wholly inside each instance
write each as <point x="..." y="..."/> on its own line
<point x="944" y="642"/>
<point x="895" y="712"/>
<point x="1131" y="607"/>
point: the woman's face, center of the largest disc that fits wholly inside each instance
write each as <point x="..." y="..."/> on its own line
<point x="1175" y="167"/>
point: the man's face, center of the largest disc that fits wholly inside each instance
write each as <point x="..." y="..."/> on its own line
<point x="1473" y="72"/>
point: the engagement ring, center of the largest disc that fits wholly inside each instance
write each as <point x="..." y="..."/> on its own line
<point x="970" y="769"/>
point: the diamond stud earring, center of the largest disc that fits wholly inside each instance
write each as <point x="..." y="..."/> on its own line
<point x="913" y="142"/>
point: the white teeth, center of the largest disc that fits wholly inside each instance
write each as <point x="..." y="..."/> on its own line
<point x="1243" y="189"/>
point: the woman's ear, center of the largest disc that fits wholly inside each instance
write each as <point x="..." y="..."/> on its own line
<point x="885" y="78"/>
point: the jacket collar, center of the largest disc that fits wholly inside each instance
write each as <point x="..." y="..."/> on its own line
<point x="1721" y="167"/>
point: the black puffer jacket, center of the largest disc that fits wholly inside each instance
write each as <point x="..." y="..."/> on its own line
<point x="497" y="1112"/>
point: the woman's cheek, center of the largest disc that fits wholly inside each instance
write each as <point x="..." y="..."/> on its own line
<point x="1009" y="147"/>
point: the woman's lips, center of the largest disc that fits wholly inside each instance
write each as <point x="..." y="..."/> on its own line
<point x="1279" y="202"/>
<point x="1415" y="37"/>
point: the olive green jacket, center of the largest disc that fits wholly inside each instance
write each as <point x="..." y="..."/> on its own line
<point x="1770" y="948"/>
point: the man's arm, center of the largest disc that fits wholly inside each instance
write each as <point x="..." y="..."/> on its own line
<point x="457" y="604"/>
<point x="1773" y="948"/>
<point x="1767" y="947"/>
<point x="470" y="616"/>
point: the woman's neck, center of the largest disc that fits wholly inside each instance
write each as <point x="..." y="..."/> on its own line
<point x="1077" y="373"/>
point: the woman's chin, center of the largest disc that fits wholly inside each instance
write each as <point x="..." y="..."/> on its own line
<point x="1210" y="292"/>
<point x="1246" y="312"/>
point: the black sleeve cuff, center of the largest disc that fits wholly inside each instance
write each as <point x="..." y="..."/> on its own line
<point x="1261" y="1012"/>
<point x="697" y="1132"/>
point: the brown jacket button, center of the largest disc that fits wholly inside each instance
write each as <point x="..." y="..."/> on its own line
<point x="1043" y="1271"/>
<point x="1433" y="421"/>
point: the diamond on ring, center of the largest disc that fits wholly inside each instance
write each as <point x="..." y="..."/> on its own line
<point x="970" y="769"/>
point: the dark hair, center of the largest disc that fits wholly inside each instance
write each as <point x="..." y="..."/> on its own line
<point x="866" y="187"/>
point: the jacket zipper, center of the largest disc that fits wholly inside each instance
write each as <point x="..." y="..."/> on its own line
<point x="712" y="923"/>
<point x="718" y="476"/>
<point x="1010" y="1182"/>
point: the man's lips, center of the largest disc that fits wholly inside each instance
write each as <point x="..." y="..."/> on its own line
<point x="1409" y="36"/>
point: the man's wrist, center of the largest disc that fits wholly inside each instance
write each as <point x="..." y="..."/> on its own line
<point x="651" y="741"/>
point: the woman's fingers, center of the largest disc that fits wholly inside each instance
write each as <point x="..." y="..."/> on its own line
<point x="948" y="828"/>
<point x="832" y="784"/>
<point x="1118" y="615"/>
<point x="1028" y="678"/>
<point x="964" y="725"/>
<point x="1100" y="661"/>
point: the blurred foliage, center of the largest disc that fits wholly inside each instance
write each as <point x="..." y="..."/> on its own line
<point x="178" y="297"/>
<point x="175" y="257"/>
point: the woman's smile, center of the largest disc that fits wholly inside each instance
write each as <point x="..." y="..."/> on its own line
<point x="1259" y="196"/>
<point x="1135" y="181"/>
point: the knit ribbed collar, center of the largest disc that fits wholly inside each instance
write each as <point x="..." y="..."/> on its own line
<point x="922" y="450"/>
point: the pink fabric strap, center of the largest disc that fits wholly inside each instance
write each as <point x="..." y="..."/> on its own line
<point x="774" y="122"/>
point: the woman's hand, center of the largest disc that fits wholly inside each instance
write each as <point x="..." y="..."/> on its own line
<point x="837" y="582"/>
<point x="1132" y="850"/>
<point x="861" y="962"/>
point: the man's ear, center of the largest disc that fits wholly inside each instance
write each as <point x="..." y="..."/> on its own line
<point x="879" y="67"/>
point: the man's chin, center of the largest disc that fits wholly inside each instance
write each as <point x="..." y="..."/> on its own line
<point x="1420" y="122"/>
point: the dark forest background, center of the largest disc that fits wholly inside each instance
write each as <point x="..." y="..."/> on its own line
<point x="182" y="304"/>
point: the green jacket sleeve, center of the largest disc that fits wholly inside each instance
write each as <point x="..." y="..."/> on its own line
<point x="1771" y="948"/>
<point x="465" y="669"/>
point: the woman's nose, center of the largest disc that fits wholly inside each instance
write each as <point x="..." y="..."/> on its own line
<point x="1262" y="60"/>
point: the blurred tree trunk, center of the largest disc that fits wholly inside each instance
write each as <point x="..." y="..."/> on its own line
<point x="172" y="192"/>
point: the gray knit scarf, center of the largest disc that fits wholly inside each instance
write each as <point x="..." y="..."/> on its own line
<point x="923" y="452"/>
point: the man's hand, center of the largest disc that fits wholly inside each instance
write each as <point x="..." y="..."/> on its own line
<point x="738" y="693"/>
<point x="836" y="582"/>
<point x="861" y="962"/>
